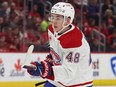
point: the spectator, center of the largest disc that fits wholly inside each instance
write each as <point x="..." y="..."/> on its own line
<point x="4" y="8"/>
<point x="12" y="9"/>
<point x="104" y="28"/>
<point x="87" y="29"/>
<point x="111" y="42"/>
<point x="31" y="36"/>
<point x="110" y="25"/>
<point x="43" y="36"/>
<point x="16" y="45"/>
<point x="16" y="21"/>
<point x="7" y="21"/>
<point x="93" y="10"/>
<point x="35" y="14"/>
<point x="3" y="44"/>
<point x="1" y="24"/>
<point x="114" y="7"/>
<point x="96" y="45"/>
<point x="107" y="5"/>
<point x="92" y="24"/>
<point x="109" y="18"/>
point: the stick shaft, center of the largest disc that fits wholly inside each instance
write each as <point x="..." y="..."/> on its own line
<point x="28" y="54"/>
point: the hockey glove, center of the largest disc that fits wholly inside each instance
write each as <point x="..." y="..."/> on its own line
<point x="48" y="72"/>
<point x="37" y="71"/>
<point x="43" y="69"/>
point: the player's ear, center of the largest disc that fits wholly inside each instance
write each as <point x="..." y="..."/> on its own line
<point x="68" y="19"/>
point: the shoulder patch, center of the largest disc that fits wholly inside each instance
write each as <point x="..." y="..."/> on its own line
<point x="71" y="39"/>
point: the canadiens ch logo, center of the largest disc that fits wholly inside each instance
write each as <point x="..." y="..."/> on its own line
<point x="113" y="65"/>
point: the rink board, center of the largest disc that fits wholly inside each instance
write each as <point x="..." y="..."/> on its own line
<point x="32" y="83"/>
<point x="20" y="84"/>
<point x="10" y="75"/>
<point x="104" y="82"/>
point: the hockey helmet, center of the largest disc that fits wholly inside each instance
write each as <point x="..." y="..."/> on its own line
<point x="65" y="9"/>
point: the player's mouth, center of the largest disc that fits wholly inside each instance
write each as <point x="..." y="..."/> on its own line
<point x="55" y="26"/>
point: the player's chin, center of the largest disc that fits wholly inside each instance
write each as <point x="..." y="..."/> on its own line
<point x="57" y="29"/>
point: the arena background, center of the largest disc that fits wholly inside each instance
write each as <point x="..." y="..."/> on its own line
<point x="20" y="27"/>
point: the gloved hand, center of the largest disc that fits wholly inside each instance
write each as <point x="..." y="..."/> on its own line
<point x="37" y="71"/>
<point x="43" y="69"/>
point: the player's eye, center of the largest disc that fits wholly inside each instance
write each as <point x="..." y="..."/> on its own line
<point x="58" y="18"/>
<point x="55" y="18"/>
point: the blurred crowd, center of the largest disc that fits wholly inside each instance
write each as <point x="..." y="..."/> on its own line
<point x="25" y="22"/>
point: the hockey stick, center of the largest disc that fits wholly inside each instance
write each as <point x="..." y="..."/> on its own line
<point x="28" y="54"/>
<point x="40" y="83"/>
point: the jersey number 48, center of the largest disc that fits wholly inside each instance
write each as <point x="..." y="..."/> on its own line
<point x="71" y="58"/>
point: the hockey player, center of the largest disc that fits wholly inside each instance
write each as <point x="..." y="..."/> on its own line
<point x="69" y="61"/>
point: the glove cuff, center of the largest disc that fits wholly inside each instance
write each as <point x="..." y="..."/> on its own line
<point x="48" y="71"/>
<point x="49" y="59"/>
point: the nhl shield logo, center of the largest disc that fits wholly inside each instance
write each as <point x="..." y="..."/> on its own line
<point x="113" y="65"/>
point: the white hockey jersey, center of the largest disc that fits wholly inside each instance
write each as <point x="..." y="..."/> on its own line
<point x="71" y="54"/>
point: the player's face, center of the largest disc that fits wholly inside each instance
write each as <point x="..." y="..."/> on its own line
<point x="57" y="22"/>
